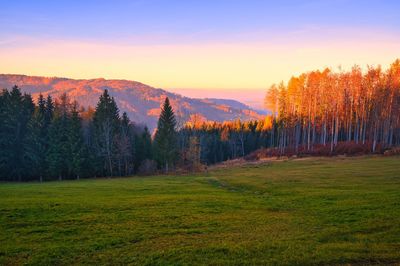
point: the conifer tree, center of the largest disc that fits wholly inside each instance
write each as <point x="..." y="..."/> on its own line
<point x="165" y="140"/>
<point x="143" y="147"/>
<point x="125" y="146"/>
<point x="75" y="144"/>
<point x="36" y="142"/>
<point x="17" y="112"/>
<point x="4" y="136"/>
<point x="49" y="111"/>
<point x="105" y="123"/>
<point x="55" y="153"/>
<point x="147" y="144"/>
<point x="58" y="143"/>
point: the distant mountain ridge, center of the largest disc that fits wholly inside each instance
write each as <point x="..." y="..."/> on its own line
<point x="229" y="102"/>
<point x="140" y="101"/>
<point x="236" y="104"/>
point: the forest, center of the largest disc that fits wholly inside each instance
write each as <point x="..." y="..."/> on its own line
<point x="326" y="108"/>
<point x="315" y="113"/>
<point x="57" y="139"/>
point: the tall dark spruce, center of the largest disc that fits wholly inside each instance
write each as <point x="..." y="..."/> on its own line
<point x="165" y="139"/>
<point x="58" y="150"/>
<point x="76" y="148"/>
<point x="106" y="125"/>
<point x="125" y="146"/>
<point x="36" y="141"/>
<point x="15" y="113"/>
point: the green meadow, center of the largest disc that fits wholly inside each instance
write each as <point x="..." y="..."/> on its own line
<point x="317" y="211"/>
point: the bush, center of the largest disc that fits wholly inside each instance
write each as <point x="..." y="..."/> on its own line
<point x="392" y="151"/>
<point x="342" y="148"/>
<point x="352" y="148"/>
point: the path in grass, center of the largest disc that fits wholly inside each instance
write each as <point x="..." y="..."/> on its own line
<point x="319" y="211"/>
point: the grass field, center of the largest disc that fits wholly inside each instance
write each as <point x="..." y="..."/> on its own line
<point x="304" y="212"/>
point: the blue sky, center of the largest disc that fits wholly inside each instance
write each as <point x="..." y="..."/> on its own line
<point x="188" y="21"/>
<point x="211" y="46"/>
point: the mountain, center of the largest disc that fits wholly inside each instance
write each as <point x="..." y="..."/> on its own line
<point x="232" y="103"/>
<point x="141" y="102"/>
<point x="237" y="105"/>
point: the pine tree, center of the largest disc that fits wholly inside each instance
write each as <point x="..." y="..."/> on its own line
<point x="105" y="124"/>
<point x="147" y="144"/>
<point x="48" y="112"/>
<point x="143" y="147"/>
<point x="4" y="134"/>
<point x="58" y="143"/>
<point x="36" y="142"/>
<point x="125" y="146"/>
<point x="55" y="153"/>
<point x="76" y="146"/>
<point x="165" y="140"/>
<point x="16" y="114"/>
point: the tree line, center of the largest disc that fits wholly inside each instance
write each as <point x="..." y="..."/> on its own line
<point x="58" y="139"/>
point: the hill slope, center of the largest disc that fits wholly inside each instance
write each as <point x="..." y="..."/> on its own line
<point x="140" y="101"/>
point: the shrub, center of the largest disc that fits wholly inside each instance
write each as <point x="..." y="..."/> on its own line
<point x="342" y="148"/>
<point x="392" y="151"/>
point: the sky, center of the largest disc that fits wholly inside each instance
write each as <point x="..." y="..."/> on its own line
<point x="198" y="48"/>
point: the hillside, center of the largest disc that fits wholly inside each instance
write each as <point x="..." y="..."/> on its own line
<point x="140" y="101"/>
<point x="236" y="104"/>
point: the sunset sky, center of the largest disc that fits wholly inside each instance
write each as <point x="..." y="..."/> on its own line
<point x="217" y="45"/>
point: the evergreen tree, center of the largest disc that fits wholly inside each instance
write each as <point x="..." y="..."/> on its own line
<point x="147" y="144"/>
<point x="105" y="125"/>
<point x="16" y="113"/>
<point x="4" y="134"/>
<point x="90" y="167"/>
<point x="55" y="153"/>
<point x="165" y="140"/>
<point x="125" y="146"/>
<point x="41" y="106"/>
<point x="58" y="142"/>
<point x="76" y="146"/>
<point x="143" y="147"/>
<point x="36" y="142"/>
<point x="48" y="112"/>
